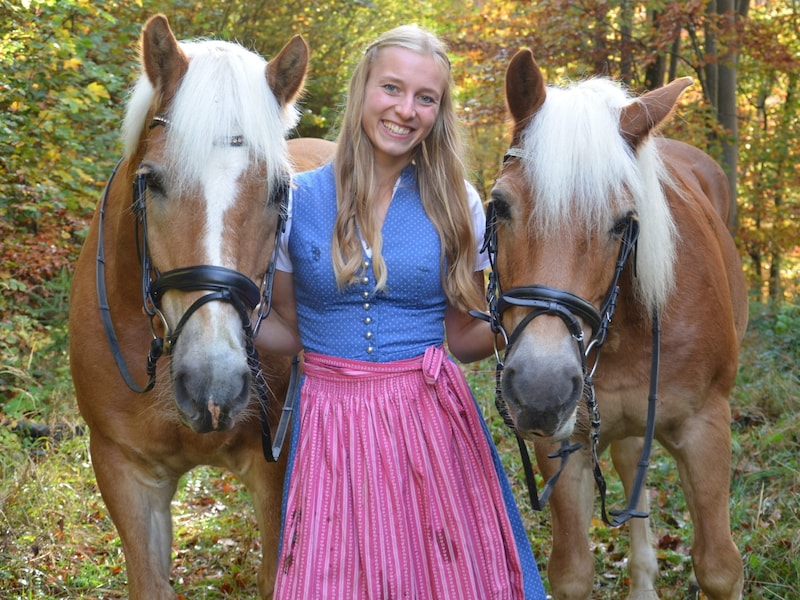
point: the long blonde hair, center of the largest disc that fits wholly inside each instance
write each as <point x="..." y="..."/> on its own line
<point x="440" y="175"/>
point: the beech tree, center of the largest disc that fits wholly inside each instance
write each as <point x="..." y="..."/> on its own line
<point x="769" y="171"/>
<point x="67" y="65"/>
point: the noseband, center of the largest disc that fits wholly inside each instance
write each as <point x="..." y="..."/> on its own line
<point x="221" y="284"/>
<point x="571" y="309"/>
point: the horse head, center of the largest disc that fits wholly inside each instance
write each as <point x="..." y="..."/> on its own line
<point x="204" y="138"/>
<point x="582" y="179"/>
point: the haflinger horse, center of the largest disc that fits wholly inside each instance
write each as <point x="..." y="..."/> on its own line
<point x="586" y="173"/>
<point x="176" y="262"/>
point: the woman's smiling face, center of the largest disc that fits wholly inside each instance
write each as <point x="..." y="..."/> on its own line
<point x="401" y="103"/>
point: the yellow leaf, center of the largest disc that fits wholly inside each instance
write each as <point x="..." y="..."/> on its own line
<point x="73" y="63"/>
<point x="97" y="90"/>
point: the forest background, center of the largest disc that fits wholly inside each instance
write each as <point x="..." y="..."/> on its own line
<point x="65" y="68"/>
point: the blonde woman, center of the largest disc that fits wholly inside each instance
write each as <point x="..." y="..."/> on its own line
<point x="394" y="488"/>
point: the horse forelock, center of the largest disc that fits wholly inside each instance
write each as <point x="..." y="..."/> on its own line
<point x="223" y="95"/>
<point x="583" y="175"/>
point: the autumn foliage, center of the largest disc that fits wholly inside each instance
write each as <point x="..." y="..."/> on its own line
<point x="65" y="68"/>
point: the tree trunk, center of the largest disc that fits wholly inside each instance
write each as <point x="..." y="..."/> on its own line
<point x="726" y="107"/>
<point x="626" y="45"/>
<point x="757" y="265"/>
<point x="775" y="283"/>
<point x="654" y="74"/>
<point x="711" y="66"/>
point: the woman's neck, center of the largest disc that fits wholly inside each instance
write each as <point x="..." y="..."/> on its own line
<point x="387" y="175"/>
<point x="385" y="181"/>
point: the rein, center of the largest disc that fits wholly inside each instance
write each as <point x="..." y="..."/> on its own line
<point x="544" y="300"/>
<point x="222" y="285"/>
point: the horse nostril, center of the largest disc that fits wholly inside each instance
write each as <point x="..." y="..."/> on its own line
<point x="210" y="399"/>
<point x="577" y="387"/>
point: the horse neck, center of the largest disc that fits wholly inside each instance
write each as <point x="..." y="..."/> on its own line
<point x="630" y="317"/>
<point x="122" y="268"/>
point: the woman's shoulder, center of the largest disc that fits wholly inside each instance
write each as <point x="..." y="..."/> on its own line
<point x="313" y="190"/>
<point x="314" y="176"/>
<point x="473" y="197"/>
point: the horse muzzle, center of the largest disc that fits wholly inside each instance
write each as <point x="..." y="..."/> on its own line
<point x="542" y="389"/>
<point x="202" y="413"/>
<point x="211" y="387"/>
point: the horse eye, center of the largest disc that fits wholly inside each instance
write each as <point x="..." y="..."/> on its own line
<point x="501" y="208"/>
<point x="153" y="178"/>
<point x="620" y="226"/>
<point x="155" y="183"/>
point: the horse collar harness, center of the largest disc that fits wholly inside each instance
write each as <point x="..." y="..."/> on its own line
<point x="544" y="300"/>
<point x="221" y="283"/>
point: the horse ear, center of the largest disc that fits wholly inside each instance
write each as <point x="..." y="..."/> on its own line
<point x="525" y="89"/>
<point x="163" y="60"/>
<point x="286" y="73"/>
<point x="646" y="112"/>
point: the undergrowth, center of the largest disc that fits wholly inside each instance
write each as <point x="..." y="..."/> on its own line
<point x="57" y="541"/>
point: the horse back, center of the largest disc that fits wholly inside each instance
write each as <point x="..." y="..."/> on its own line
<point x="704" y="207"/>
<point x="687" y="161"/>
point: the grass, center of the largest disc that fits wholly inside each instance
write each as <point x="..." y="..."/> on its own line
<point x="57" y="541"/>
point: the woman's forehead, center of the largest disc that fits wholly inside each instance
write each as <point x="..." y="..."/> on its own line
<point x="403" y="64"/>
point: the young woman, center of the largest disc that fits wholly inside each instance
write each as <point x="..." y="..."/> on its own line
<point x="394" y="488"/>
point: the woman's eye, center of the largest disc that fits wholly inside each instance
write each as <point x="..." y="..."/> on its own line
<point x="390" y="87"/>
<point x="427" y="99"/>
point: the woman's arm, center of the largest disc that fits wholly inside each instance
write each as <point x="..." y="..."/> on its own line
<point x="468" y="338"/>
<point x="278" y="332"/>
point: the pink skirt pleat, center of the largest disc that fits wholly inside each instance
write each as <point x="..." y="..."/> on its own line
<point x="393" y="493"/>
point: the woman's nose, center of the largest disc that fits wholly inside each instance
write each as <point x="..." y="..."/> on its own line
<point x="405" y="107"/>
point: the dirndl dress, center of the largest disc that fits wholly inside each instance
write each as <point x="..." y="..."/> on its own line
<point x="393" y="491"/>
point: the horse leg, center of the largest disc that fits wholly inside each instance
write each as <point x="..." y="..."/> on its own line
<point x="139" y="503"/>
<point x="642" y="561"/>
<point x="570" y="568"/>
<point x="264" y="481"/>
<point x="702" y="450"/>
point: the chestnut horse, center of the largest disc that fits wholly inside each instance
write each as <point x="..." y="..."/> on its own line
<point x="178" y="266"/>
<point x="585" y="174"/>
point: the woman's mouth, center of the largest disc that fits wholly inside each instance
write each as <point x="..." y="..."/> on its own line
<point x="395" y="128"/>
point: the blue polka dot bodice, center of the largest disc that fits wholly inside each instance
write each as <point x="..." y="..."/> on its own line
<point x="357" y="322"/>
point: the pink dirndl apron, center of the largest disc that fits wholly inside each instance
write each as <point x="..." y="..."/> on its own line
<point x="393" y="493"/>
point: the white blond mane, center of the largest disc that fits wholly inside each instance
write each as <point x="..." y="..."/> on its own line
<point x="223" y="94"/>
<point x="585" y="175"/>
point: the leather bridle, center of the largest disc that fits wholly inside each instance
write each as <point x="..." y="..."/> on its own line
<point x="571" y="309"/>
<point x="221" y="283"/>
